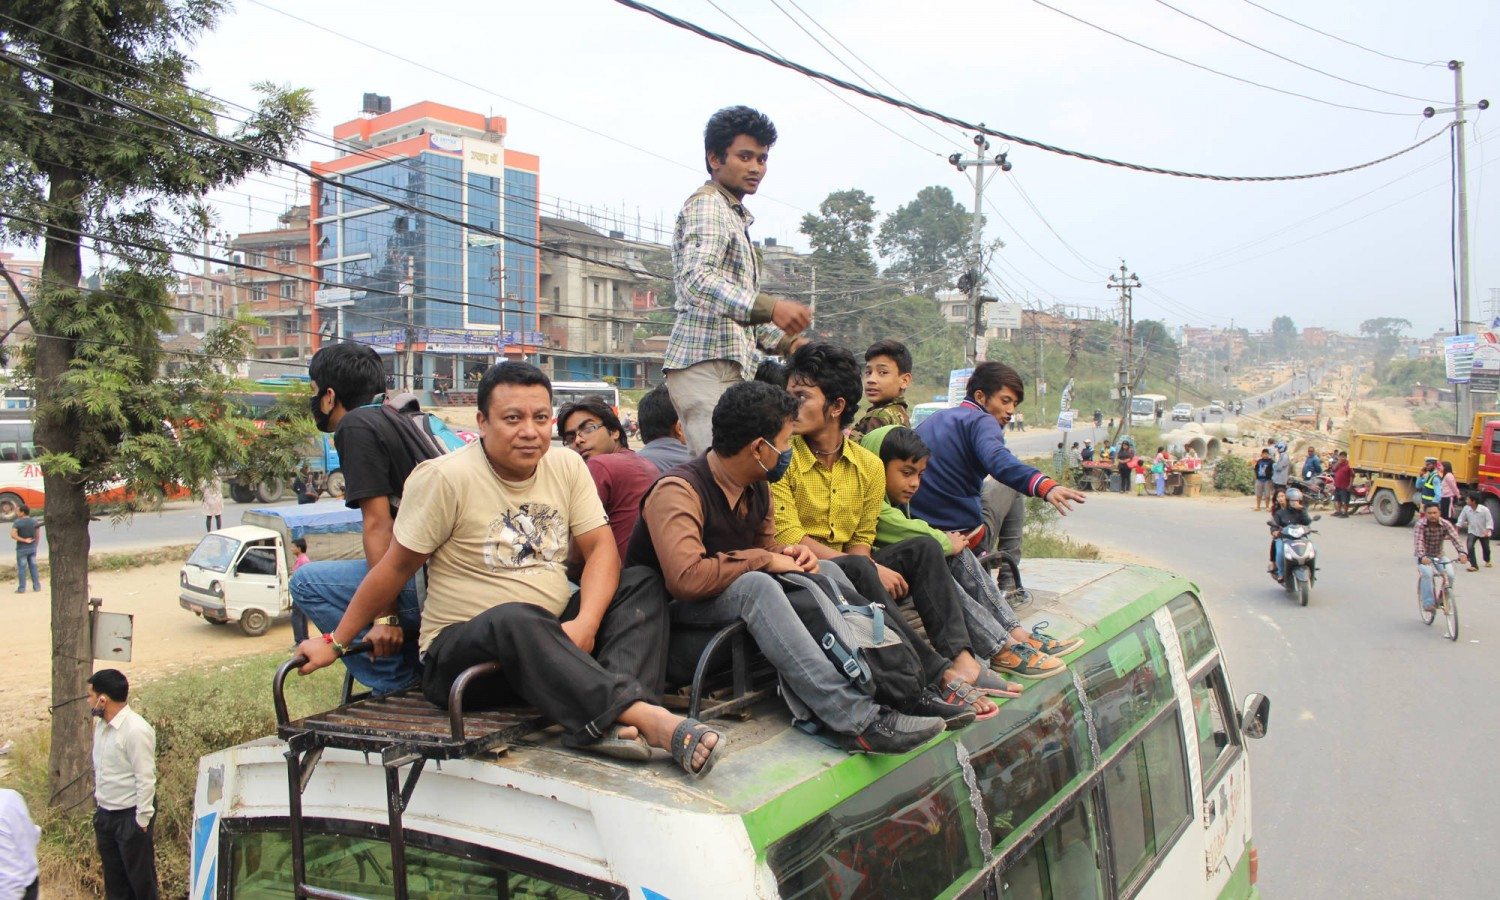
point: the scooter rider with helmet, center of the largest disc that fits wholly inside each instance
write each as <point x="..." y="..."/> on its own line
<point x="1290" y="514"/>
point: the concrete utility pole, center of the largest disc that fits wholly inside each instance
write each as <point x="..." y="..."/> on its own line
<point x="1125" y="283"/>
<point x="974" y="278"/>
<point x="409" y="289"/>
<point x="1465" y="320"/>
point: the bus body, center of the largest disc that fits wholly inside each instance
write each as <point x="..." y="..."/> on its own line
<point x="1126" y="777"/>
<point x="565" y="392"/>
<point x="1146" y="409"/>
<point x="21" y="477"/>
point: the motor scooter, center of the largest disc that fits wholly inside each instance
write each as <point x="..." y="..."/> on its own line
<point x="1317" y="491"/>
<point x="1299" y="560"/>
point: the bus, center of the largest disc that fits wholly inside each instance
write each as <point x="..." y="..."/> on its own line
<point x="1128" y="777"/>
<point x="1146" y="409"/>
<point x="20" y="476"/>
<point x="565" y="392"/>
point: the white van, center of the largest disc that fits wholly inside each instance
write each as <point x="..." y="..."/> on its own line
<point x="1128" y="777"/>
<point x="240" y="574"/>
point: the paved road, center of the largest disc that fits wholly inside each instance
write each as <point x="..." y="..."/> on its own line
<point x="180" y="523"/>
<point x="1043" y="441"/>
<point x="1378" y="776"/>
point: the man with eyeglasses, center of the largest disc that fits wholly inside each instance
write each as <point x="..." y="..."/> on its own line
<point x="591" y="429"/>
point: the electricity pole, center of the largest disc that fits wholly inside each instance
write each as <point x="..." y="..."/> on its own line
<point x="1465" y="397"/>
<point x="973" y="278"/>
<point x="409" y="288"/>
<point x="1125" y="283"/>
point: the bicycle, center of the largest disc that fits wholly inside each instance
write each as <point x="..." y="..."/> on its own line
<point x="1444" y="594"/>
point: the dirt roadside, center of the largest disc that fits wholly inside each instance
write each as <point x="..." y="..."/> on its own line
<point x="168" y="638"/>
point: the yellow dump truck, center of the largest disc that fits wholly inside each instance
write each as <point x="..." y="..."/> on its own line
<point x="1392" y="461"/>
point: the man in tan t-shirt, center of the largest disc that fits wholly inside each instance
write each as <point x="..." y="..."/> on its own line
<point x="495" y="523"/>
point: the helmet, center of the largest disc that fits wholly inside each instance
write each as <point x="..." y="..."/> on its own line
<point x="1281" y="445"/>
<point x="1293" y="494"/>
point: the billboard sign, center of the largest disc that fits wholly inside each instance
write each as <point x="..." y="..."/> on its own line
<point x="958" y="379"/>
<point x="1458" y="354"/>
<point x="1004" y="315"/>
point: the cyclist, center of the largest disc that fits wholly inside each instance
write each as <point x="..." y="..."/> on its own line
<point x="1427" y="544"/>
<point x="1290" y="514"/>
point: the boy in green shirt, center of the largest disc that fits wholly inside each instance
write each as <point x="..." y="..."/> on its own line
<point x="1034" y="654"/>
<point x="887" y="376"/>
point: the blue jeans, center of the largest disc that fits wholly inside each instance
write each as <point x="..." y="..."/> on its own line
<point x="1424" y="584"/>
<point x="1280" y="554"/>
<point x="322" y="591"/>
<point x="26" y="561"/>
<point x="759" y="601"/>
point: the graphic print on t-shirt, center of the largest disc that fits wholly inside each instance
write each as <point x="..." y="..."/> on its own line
<point x="525" y="536"/>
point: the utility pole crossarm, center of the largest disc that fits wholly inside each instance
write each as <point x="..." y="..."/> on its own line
<point x="1125" y="282"/>
<point x="974" y="279"/>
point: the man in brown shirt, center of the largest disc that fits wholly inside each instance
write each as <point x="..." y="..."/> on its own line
<point x="708" y="527"/>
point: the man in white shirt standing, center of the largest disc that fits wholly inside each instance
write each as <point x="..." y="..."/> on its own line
<point x="124" y="789"/>
<point x="18" y="837"/>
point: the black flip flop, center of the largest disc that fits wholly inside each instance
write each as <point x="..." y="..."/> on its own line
<point x="613" y="746"/>
<point x="686" y="737"/>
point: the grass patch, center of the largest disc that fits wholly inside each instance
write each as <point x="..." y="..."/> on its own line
<point x="118" y="562"/>
<point x="194" y="713"/>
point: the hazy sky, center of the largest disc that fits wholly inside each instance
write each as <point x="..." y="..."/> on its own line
<point x="1331" y="251"/>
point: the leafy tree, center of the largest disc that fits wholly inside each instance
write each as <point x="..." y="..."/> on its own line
<point x="927" y="239"/>
<point x="105" y="144"/>
<point x="1386" y="331"/>
<point x="839" y="233"/>
<point x="1283" y="336"/>
<point x="1154" y="342"/>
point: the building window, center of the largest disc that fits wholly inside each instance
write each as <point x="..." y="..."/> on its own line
<point x="258" y="293"/>
<point x="288" y="290"/>
<point x="264" y="331"/>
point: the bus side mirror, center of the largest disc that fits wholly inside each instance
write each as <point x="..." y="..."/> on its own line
<point x="1256" y="718"/>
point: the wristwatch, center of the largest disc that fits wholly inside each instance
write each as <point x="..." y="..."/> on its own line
<point x="387" y="620"/>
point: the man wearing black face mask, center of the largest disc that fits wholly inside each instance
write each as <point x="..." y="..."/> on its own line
<point x="707" y="526"/>
<point x="348" y="380"/>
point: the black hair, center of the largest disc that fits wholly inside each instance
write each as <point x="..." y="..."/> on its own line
<point x="731" y="122"/>
<point x="1447" y="467"/>
<point x="656" y="415"/>
<point x="510" y="372"/>
<point x="1265" y="451"/>
<point x="111" y="683"/>
<point x="747" y="411"/>
<point x="353" y="371"/>
<point x="1474" y="495"/>
<point x="835" y="372"/>
<point x="23" y="509"/>
<point x="596" y="407"/>
<point x="300" y="544"/>
<point x="772" y="372"/>
<point x="904" y="444"/>
<point x="895" y="350"/>
<point x="990" y="377"/>
<point x="1426" y="505"/>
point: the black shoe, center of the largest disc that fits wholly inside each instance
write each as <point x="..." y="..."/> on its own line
<point x="893" y="732"/>
<point x="954" y="715"/>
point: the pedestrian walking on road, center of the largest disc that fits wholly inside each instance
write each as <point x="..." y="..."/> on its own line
<point x="124" y="789"/>
<point x="213" y="504"/>
<point x="1478" y="524"/>
<point x="1449" y="495"/>
<point x="27" y="533"/>
<point x="1263" y="467"/>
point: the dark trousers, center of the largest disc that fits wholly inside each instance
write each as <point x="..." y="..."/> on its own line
<point x="1448" y="508"/>
<point x="866" y="581"/>
<point x="921" y="561"/>
<point x="128" y="855"/>
<point x="1484" y="544"/>
<point x="540" y="665"/>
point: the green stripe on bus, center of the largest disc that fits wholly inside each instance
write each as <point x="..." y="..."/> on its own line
<point x="1239" y="885"/>
<point x="804" y="802"/>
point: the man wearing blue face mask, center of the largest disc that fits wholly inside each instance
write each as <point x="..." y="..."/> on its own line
<point x="707" y="526"/>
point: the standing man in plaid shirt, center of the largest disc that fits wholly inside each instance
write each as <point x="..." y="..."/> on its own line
<point x="724" y="323"/>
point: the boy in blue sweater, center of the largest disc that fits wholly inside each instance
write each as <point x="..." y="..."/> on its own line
<point x="968" y="443"/>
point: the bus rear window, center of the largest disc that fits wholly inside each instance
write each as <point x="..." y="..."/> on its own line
<point x="1028" y="754"/>
<point x="261" y="869"/>
<point x="907" y="835"/>
<point x="1126" y="681"/>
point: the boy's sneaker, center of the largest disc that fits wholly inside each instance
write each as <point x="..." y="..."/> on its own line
<point x="1027" y="661"/>
<point x="1043" y="642"/>
<point x="893" y="732"/>
<point x="929" y="703"/>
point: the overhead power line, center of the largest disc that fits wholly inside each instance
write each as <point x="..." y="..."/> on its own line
<point x="730" y="42"/>
<point x="1342" y="40"/>
<point x="1288" y="59"/>
<point x="1222" y="74"/>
